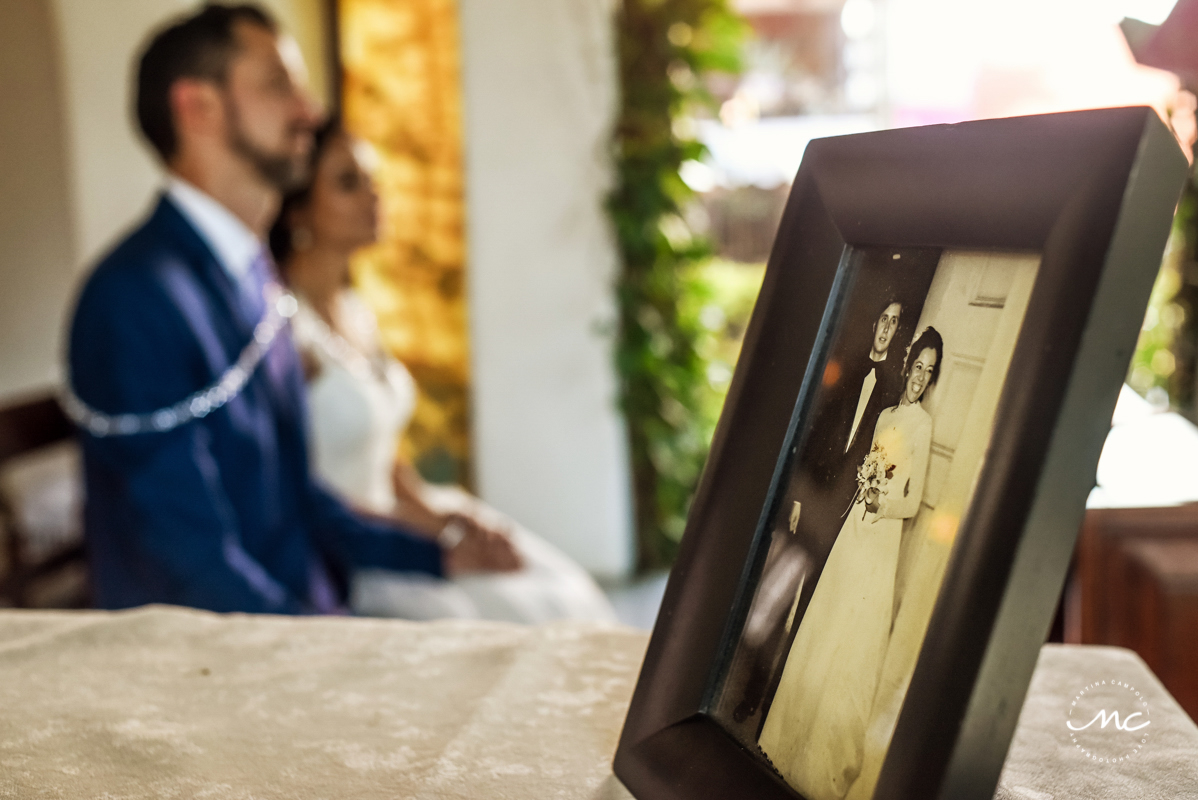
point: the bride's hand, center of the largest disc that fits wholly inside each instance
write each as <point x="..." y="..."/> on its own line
<point x="479" y="548"/>
<point x="871" y="500"/>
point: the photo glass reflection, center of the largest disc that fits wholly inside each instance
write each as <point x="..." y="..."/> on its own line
<point x="874" y="485"/>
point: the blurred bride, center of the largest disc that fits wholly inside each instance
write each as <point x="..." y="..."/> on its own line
<point x="360" y="400"/>
<point x="814" y="732"/>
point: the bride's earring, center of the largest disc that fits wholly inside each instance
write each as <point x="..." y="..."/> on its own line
<point x="301" y="238"/>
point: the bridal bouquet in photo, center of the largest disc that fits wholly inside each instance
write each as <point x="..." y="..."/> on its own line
<point x="874" y="473"/>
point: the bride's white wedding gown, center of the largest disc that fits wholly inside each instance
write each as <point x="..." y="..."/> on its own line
<point x="814" y="732"/>
<point x="359" y="404"/>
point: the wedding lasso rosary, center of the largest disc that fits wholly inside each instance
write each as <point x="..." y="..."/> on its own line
<point x="281" y="306"/>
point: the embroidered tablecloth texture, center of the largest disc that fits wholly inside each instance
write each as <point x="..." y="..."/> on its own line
<point x="172" y="703"/>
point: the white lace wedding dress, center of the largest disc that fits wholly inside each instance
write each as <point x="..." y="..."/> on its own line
<point x="360" y="401"/>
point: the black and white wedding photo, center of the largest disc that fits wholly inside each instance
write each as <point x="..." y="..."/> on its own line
<point x="875" y="492"/>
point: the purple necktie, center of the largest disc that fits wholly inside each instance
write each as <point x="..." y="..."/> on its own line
<point x="322" y="594"/>
<point x="253" y="284"/>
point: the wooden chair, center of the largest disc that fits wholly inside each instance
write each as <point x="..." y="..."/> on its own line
<point x="42" y="576"/>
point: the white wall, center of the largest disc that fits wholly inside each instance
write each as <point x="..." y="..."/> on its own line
<point x="540" y="98"/>
<point x="113" y="176"/>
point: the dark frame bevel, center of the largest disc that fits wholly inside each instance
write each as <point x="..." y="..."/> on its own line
<point x="1076" y="187"/>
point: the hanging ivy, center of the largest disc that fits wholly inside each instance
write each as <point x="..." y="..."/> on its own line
<point x="1183" y="383"/>
<point x="1166" y="358"/>
<point x="666" y="50"/>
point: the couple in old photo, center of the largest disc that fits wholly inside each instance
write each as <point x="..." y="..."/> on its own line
<point x="872" y="449"/>
<point x="875" y="482"/>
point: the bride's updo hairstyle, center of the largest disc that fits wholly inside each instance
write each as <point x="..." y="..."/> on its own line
<point x="285" y="239"/>
<point x="930" y="339"/>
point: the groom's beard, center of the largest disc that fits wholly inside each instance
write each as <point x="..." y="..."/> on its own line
<point x="284" y="172"/>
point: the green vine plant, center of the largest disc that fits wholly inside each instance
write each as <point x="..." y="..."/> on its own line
<point x="1165" y="365"/>
<point x="666" y="49"/>
<point x="1183" y="380"/>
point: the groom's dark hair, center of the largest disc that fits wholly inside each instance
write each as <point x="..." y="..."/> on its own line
<point x="891" y="300"/>
<point x="199" y="46"/>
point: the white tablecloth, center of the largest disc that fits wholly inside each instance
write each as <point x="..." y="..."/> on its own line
<point x="172" y="703"/>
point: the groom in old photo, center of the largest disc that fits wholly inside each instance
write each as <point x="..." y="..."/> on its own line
<point x="195" y="456"/>
<point x="857" y="387"/>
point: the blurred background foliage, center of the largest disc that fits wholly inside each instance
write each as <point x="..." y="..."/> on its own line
<point x="1165" y="366"/>
<point x="669" y="324"/>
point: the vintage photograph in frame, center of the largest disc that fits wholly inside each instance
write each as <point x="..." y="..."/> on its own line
<point x="865" y="518"/>
<point x="881" y="533"/>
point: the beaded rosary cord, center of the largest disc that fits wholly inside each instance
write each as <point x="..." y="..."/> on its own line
<point x="280" y="308"/>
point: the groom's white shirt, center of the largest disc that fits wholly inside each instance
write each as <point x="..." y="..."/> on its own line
<point x="234" y="244"/>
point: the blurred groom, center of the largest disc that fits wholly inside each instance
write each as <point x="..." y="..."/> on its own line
<point x="216" y="509"/>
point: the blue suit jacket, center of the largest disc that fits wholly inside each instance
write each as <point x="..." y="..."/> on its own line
<point x="222" y="512"/>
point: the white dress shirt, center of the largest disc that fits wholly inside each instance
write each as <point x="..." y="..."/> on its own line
<point x="234" y="244"/>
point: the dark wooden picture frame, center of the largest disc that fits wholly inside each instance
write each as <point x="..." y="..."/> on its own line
<point x="1093" y="193"/>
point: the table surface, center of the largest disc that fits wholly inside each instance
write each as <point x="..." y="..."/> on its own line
<point x="173" y="703"/>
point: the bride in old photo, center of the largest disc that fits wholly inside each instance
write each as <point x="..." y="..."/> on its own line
<point x="815" y="729"/>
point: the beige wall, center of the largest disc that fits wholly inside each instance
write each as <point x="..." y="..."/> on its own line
<point x="36" y="248"/>
<point x="112" y="174"/>
<point x="540" y="101"/>
<point x="75" y="175"/>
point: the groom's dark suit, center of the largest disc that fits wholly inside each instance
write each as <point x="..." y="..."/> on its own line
<point x="221" y="512"/>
